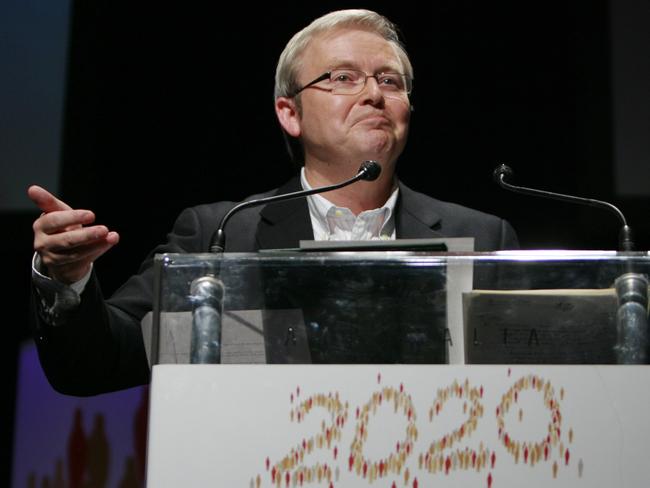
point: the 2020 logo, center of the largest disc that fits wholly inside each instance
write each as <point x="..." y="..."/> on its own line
<point x="443" y="455"/>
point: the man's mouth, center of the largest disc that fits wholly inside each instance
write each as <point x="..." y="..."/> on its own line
<point x="374" y="120"/>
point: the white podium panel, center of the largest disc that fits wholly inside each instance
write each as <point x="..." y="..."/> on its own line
<point x="399" y="426"/>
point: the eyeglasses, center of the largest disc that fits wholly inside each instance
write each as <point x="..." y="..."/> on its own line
<point x="352" y="82"/>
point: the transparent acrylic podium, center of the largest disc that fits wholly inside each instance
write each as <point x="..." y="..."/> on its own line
<point x="525" y="307"/>
<point x="356" y="369"/>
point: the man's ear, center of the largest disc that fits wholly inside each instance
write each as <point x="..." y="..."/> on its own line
<point x="288" y="115"/>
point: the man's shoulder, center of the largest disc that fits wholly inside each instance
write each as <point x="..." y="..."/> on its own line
<point x="197" y="224"/>
<point x="450" y="219"/>
<point x="220" y="208"/>
<point x="416" y="202"/>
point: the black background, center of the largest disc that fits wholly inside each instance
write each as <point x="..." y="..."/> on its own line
<point x="171" y="106"/>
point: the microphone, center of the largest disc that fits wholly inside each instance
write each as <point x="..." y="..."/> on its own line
<point x="369" y="171"/>
<point x="625" y="238"/>
<point x="632" y="336"/>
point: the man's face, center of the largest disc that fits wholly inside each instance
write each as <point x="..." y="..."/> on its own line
<point x="348" y="129"/>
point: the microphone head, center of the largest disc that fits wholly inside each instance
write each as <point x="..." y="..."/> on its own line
<point x="502" y="172"/>
<point x="371" y="170"/>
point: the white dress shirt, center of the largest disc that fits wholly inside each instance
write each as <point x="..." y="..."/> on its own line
<point x="332" y="223"/>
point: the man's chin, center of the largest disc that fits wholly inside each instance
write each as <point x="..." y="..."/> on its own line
<point x="377" y="145"/>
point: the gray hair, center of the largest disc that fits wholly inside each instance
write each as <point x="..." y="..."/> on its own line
<point x="286" y="74"/>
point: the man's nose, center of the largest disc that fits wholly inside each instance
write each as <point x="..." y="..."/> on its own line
<point x="371" y="90"/>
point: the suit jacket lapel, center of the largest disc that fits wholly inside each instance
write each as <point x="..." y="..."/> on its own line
<point x="414" y="216"/>
<point x="284" y="224"/>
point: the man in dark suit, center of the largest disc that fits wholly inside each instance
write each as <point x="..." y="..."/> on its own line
<point x="342" y="91"/>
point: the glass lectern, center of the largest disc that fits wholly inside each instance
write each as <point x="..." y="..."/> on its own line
<point x="400" y="307"/>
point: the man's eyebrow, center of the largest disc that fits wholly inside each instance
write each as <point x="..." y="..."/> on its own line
<point x="337" y="63"/>
<point x="349" y="64"/>
<point x="342" y="63"/>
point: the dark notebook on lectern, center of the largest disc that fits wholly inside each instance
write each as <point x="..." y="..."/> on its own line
<point x="413" y="245"/>
<point x="384" y="312"/>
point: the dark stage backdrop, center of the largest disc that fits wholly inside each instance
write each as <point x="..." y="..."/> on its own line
<point x="172" y="106"/>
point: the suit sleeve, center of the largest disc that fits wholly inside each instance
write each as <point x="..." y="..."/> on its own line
<point x="99" y="348"/>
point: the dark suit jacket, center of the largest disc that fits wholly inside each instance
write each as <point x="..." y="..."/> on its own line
<point x="100" y="347"/>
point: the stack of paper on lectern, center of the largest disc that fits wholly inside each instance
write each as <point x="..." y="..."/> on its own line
<point x="567" y="326"/>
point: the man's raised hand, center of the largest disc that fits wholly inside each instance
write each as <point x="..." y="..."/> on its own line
<point x="65" y="239"/>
